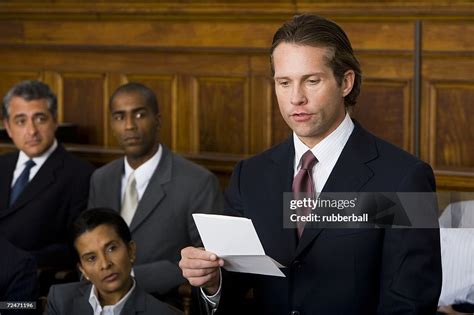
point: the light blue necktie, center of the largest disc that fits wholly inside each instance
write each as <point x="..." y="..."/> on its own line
<point x="21" y="182"/>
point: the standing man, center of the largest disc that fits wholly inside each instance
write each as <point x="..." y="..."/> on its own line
<point x="43" y="188"/>
<point x="330" y="271"/>
<point x="155" y="191"/>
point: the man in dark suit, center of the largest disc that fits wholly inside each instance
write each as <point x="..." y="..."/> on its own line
<point x="17" y="274"/>
<point x="330" y="271"/>
<point x="43" y="187"/>
<point x="155" y="190"/>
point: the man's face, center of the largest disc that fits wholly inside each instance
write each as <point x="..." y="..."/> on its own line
<point x="106" y="260"/>
<point x="310" y="99"/>
<point x="134" y="125"/>
<point x="30" y="125"/>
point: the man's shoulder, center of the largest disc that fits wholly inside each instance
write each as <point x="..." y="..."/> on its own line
<point x="188" y="166"/>
<point x="9" y="157"/>
<point x="71" y="160"/>
<point x="278" y="152"/>
<point x="109" y="168"/>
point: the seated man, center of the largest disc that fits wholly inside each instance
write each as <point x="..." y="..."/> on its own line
<point x="457" y="256"/>
<point x="106" y="254"/>
<point x="155" y="191"/>
<point x="17" y="276"/>
<point x="43" y="188"/>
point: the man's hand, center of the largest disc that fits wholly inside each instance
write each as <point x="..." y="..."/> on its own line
<point x="201" y="268"/>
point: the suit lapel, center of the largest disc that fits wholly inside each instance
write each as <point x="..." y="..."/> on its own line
<point x="155" y="191"/>
<point x="283" y="169"/>
<point x="349" y="174"/>
<point x="42" y="180"/>
<point x="7" y="167"/>
<point x="80" y="303"/>
<point x="114" y="188"/>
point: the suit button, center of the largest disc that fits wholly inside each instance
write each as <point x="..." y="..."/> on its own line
<point x="295" y="313"/>
<point x="296" y="264"/>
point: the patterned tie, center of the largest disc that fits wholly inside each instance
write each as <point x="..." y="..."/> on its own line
<point x="303" y="185"/>
<point x="21" y="182"/>
<point x="130" y="199"/>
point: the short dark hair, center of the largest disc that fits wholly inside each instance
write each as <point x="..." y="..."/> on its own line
<point x="316" y="31"/>
<point x="145" y="92"/>
<point x="31" y="90"/>
<point x="92" y="218"/>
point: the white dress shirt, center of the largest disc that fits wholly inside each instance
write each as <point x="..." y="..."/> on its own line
<point x="39" y="161"/>
<point x="115" y="309"/>
<point x="457" y="253"/>
<point x="327" y="152"/>
<point x="143" y="173"/>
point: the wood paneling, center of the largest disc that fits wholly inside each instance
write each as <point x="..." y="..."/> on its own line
<point x="453" y="126"/>
<point x="384" y="109"/>
<point x="209" y="66"/>
<point x="84" y="105"/>
<point x="223" y="115"/>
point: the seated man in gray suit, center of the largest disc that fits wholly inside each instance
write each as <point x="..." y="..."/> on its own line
<point x="155" y="191"/>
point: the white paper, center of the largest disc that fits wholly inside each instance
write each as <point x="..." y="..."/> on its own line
<point x="235" y="240"/>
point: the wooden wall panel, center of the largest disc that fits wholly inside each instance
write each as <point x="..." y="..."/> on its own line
<point x="208" y="63"/>
<point x="223" y="115"/>
<point x="384" y="109"/>
<point x="85" y="106"/>
<point x="453" y="145"/>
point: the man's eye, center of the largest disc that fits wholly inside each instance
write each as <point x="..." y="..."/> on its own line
<point x="20" y="122"/>
<point x="284" y="83"/>
<point x="41" y="119"/>
<point x="111" y="248"/>
<point x="140" y="115"/>
<point x="90" y="258"/>
<point x="118" y="117"/>
<point x="313" y="81"/>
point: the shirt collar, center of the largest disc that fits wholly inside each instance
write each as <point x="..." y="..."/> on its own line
<point x="39" y="160"/>
<point x="116" y="308"/>
<point x="325" y="149"/>
<point x="144" y="172"/>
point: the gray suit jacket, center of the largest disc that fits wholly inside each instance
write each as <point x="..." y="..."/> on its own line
<point x="73" y="299"/>
<point x="163" y="223"/>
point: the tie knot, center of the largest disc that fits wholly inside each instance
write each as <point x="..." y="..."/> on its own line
<point x="308" y="160"/>
<point x="29" y="164"/>
<point x="131" y="178"/>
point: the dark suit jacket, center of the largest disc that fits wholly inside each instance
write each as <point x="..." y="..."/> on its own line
<point x="163" y="223"/>
<point x="336" y="271"/>
<point x="73" y="299"/>
<point x="38" y="220"/>
<point x="17" y="274"/>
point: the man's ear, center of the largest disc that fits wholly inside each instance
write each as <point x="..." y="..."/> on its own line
<point x="7" y="126"/>
<point x="348" y="82"/>
<point x="158" y="121"/>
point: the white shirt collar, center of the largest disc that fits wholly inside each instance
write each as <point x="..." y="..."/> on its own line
<point x="327" y="152"/>
<point x="324" y="150"/>
<point x="115" y="309"/>
<point x="39" y="161"/>
<point x="143" y="173"/>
